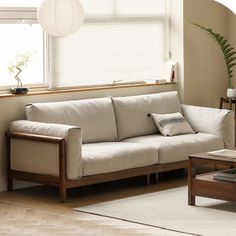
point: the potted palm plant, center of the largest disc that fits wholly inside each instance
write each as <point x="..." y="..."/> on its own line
<point x="229" y="56"/>
<point x="16" y="67"/>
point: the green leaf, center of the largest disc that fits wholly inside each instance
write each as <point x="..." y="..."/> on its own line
<point x="224" y="42"/>
<point x="231" y="65"/>
<point x="220" y="39"/>
<point x="228" y="55"/>
<point x="226" y="48"/>
<point x="230" y="59"/>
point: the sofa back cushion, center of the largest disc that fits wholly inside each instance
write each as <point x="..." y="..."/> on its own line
<point x="95" y="116"/>
<point x="132" y="112"/>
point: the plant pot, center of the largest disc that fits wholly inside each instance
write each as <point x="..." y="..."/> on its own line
<point x="231" y="93"/>
<point x="19" y="90"/>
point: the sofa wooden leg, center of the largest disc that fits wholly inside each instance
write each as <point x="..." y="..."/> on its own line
<point x="156" y="178"/>
<point x="62" y="190"/>
<point x="10" y="184"/>
<point x="9" y="178"/>
<point x="148" y="179"/>
<point x="62" y="170"/>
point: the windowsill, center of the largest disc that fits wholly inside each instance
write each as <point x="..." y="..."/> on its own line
<point x="70" y="90"/>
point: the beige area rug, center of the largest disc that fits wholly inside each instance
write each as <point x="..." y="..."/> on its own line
<point x="168" y="209"/>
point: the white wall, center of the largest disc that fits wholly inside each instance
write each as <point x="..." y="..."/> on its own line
<point x="205" y="79"/>
<point x="13" y="109"/>
<point x="177" y="41"/>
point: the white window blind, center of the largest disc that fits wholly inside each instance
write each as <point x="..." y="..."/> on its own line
<point x="121" y="41"/>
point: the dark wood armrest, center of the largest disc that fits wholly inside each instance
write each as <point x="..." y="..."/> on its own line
<point x="39" y="178"/>
<point x="34" y="137"/>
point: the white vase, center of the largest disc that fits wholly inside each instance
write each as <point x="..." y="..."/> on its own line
<point x="231" y="93"/>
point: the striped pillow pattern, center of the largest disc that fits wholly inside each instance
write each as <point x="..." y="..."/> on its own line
<point x="172" y="124"/>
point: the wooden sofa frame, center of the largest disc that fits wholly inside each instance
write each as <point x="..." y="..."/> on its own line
<point x="61" y="181"/>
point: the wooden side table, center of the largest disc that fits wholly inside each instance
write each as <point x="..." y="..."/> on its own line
<point x="229" y="101"/>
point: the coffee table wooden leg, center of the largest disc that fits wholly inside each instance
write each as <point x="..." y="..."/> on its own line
<point x="230" y="104"/>
<point x="221" y="102"/>
<point x="191" y="200"/>
<point x="191" y="175"/>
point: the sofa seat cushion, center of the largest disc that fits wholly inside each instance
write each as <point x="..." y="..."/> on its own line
<point x="108" y="157"/>
<point x="132" y="112"/>
<point x="178" y="148"/>
<point x="96" y="117"/>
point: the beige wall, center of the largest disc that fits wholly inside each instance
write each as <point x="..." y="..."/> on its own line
<point x="205" y="78"/>
<point x="231" y="28"/>
<point x="13" y="109"/>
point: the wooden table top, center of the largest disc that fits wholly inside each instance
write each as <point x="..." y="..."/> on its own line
<point x="213" y="158"/>
<point x="227" y="100"/>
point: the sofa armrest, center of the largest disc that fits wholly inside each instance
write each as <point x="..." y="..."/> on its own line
<point x="219" y="122"/>
<point x="32" y="155"/>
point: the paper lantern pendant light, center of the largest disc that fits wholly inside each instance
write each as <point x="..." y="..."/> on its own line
<point x="60" y="18"/>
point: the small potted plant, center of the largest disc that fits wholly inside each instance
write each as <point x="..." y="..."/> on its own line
<point x="16" y="67"/>
<point x="229" y="56"/>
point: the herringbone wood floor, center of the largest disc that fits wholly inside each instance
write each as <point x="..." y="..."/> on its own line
<point x="36" y="211"/>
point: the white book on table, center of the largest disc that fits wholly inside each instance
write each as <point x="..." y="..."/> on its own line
<point x="225" y="179"/>
<point x="223" y="153"/>
<point x="229" y="173"/>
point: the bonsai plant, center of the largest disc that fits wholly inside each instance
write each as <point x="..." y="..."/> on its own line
<point x="16" y="67"/>
<point x="229" y="56"/>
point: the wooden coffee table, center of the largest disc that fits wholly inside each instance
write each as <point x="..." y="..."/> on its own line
<point x="204" y="185"/>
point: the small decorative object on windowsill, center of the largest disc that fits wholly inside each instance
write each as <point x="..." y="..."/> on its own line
<point x="19" y="90"/>
<point x="16" y="67"/>
<point x="229" y="56"/>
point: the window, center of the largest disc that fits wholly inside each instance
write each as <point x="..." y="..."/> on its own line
<point x="121" y="41"/>
<point x="20" y="3"/>
<point x="21" y="36"/>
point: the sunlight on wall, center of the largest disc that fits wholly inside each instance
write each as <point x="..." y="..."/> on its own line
<point x="231" y="4"/>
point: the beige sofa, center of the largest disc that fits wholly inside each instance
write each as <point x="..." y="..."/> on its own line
<point x="76" y="143"/>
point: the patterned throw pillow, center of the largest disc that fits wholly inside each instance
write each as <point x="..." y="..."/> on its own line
<point x="172" y="124"/>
